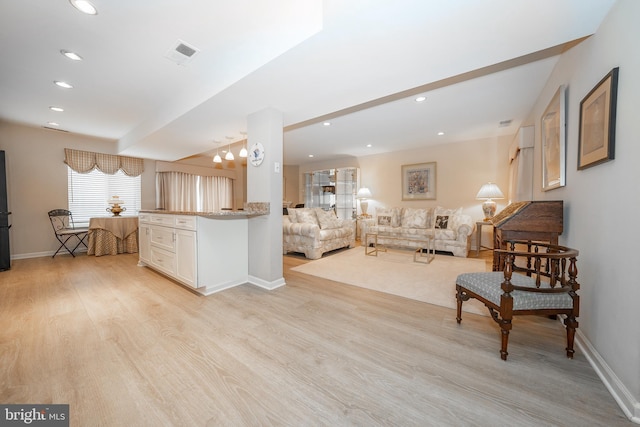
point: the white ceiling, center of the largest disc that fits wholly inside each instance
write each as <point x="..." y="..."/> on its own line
<point x="357" y="63"/>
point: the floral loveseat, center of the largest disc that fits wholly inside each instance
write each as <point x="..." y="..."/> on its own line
<point x="400" y="226"/>
<point x="314" y="231"/>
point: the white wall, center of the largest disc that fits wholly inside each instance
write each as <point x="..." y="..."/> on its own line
<point x="37" y="182"/>
<point x="602" y="203"/>
<point x="291" y="185"/>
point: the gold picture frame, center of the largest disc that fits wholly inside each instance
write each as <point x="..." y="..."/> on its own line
<point x="596" y="141"/>
<point x="553" y="126"/>
<point x="419" y="181"/>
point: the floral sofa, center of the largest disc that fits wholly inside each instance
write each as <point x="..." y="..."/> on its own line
<point x="314" y="231"/>
<point x="402" y="226"/>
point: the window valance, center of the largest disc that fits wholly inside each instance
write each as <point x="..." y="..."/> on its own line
<point x="86" y="161"/>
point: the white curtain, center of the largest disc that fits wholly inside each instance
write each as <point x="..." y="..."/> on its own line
<point x="176" y="191"/>
<point x="513" y="176"/>
<point x="216" y="193"/>
<point x="521" y="166"/>
<point x="182" y="192"/>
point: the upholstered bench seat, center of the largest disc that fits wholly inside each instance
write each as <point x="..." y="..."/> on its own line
<point x="488" y="286"/>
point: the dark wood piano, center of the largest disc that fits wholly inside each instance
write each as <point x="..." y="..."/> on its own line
<point x="539" y="221"/>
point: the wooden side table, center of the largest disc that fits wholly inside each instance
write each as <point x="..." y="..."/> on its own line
<point x="479" y="225"/>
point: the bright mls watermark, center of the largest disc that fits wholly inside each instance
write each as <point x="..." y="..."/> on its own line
<point x="34" y="415"/>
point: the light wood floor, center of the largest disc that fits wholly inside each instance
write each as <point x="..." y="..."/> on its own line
<point x="126" y="347"/>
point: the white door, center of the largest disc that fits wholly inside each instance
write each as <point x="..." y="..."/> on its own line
<point x="144" y="240"/>
<point x="186" y="256"/>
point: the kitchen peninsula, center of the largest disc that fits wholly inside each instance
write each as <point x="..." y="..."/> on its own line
<point x="205" y="251"/>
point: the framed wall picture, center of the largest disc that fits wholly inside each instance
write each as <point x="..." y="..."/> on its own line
<point x="419" y="181"/>
<point x="553" y="125"/>
<point x="596" y="141"/>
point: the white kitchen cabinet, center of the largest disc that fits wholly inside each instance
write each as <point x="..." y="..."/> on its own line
<point x="163" y="237"/>
<point x="202" y="252"/>
<point x="163" y="260"/>
<point x="144" y="241"/>
<point x="186" y="257"/>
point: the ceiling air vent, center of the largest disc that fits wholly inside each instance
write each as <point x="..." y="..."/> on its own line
<point x="181" y="52"/>
<point x="504" y="123"/>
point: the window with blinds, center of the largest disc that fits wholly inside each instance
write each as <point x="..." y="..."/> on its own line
<point x="89" y="192"/>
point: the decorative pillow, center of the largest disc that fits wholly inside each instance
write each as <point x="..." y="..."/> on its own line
<point x="291" y="212"/>
<point x="396" y="215"/>
<point x="388" y="217"/>
<point x="327" y="219"/>
<point x="415" y="218"/>
<point x="384" y="220"/>
<point x="306" y="216"/>
<point x="442" y="222"/>
<point x="442" y="211"/>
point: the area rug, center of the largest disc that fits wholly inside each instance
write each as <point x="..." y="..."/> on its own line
<point x="395" y="272"/>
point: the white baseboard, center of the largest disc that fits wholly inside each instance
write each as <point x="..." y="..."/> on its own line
<point x="44" y="254"/>
<point x="627" y="402"/>
<point x="266" y="285"/>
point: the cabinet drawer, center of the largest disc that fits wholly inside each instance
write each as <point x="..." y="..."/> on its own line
<point x="167" y="220"/>
<point x="163" y="237"/>
<point x="144" y="218"/>
<point x="164" y="261"/>
<point x="186" y="222"/>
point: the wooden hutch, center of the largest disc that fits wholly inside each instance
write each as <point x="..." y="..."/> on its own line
<point x="540" y="221"/>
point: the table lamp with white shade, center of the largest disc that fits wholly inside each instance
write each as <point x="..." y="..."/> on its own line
<point x="363" y="194"/>
<point x="488" y="192"/>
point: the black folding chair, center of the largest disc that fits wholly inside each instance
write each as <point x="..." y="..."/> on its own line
<point x="64" y="228"/>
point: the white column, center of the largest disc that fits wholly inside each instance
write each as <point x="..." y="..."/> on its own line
<point x="264" y="184"/>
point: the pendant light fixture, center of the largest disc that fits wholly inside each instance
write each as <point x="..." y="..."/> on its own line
<point x="243" y="151"/>
<point x="229" y="155"/>
<point x="217" y="158"/>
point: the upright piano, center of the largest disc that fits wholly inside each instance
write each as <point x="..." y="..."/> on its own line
<point x="540" y="221"/>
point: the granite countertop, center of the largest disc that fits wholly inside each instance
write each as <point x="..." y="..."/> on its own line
<point x="250" y="210"/>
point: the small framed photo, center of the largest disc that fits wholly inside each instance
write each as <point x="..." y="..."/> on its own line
<point x="553" y="125"/>
<point x="596" y="142"/>
<point x="419" y="181"/>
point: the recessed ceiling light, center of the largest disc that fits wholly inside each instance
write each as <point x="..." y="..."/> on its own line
<point x="310" y="155"/>
<point x="84" y="6"/>
<point x="440" y="133"/>
<point x="63" y="84"/>
<point x="59" y="109"/>
<point x="326" y="124"/>
<point x="421" y="98"/>
<point x="71" y="55"/>
<point x="53" y="124"/>
<point x="369" y="145"/>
